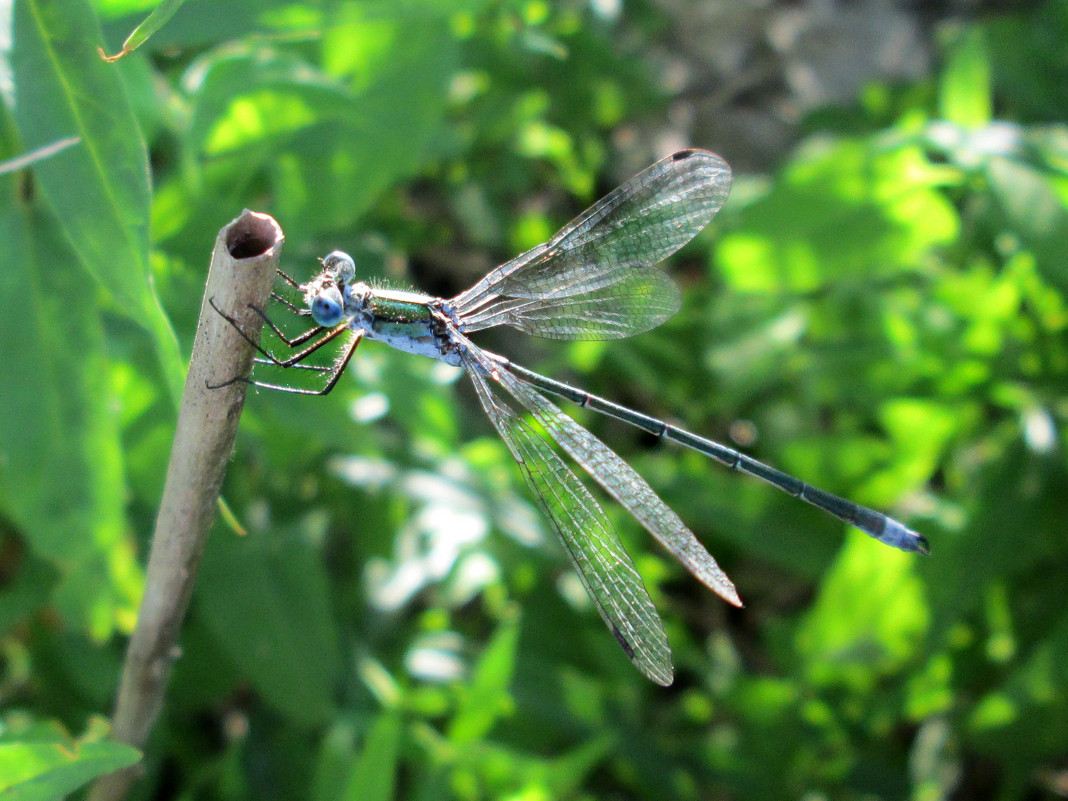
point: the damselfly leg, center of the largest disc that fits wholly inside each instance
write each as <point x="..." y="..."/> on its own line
<point x="301" y="311"/>
<point x="318" y="336"/>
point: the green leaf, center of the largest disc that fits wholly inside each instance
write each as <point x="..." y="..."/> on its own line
<point x="265" y="598"/>
<point x="388" y="139"/>
<point x="98" y="190"/>
<point x="50" y="771"/>
<point x="156" y="20"/>
<point x="847" y="209"/>
<point x="374" y="774"/>
<point x="1035" y="211"/>
<point x="1024" y="713"/>
<point x="516" y="773"/>
<point x="331" y="143"/>
<point x="1018" y="491"/>
<point x="333" y="762"/>
<point x="61" y="463"/>
<point x="487" y="699"/>
<point x="868" y="620"/>
<point x="965" y="92"/>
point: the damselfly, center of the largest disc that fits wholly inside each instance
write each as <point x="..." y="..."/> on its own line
<point x="595" y="279"/>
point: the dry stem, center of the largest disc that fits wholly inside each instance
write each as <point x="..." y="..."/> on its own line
<point x="243" y="266"/>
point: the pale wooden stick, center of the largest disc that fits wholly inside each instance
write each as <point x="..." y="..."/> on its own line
<point x="243" y="266"/>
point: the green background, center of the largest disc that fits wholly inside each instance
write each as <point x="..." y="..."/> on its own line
<point x="879" y="309"/>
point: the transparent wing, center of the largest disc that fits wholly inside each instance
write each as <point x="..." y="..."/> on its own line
<point x="603" y="565"/>
<point x="623" y="483"/>
<point x="638" y="303"/>
<point x="631" y="229"/>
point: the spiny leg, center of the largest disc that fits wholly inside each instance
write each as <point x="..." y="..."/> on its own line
<point x="335" y="372"/>
<point x="318" y="368"/>
<point x="308" y="351"/>
<point x="288" y="280"/>
<point x="295" y="341"/>
<point x="291" y="306"/>
<point x="275" y="360"/>
<point x="302" y="311"/>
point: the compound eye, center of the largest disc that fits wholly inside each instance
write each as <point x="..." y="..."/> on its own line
<point x="326" y="307"/>
<point x="340" y="265"/>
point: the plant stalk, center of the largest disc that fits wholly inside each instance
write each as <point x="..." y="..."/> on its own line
<point x="243" y="265"/>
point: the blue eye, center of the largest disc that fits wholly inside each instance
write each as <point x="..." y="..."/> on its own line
<point x="326" y="307"/>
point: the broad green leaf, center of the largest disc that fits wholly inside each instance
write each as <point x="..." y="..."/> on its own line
<point x="388" y="139"/>
<point x="251" y="95"/>
<point x="330" y="143"/>
<point x="965" y="91"/>
<point x="40" y="154"/>
<point x="61" y="463"/>
<point x="35" y="771"/>
<point x="265" y="598"/>
<point x="567" y="772"/>
<point x="917" y="458"/>
<point x="201" y="25"/>
<point x="374" y="774"/>
<point x="98" y="190"/>
<point x="514" y="772"/>
<point x="119" y="8"/>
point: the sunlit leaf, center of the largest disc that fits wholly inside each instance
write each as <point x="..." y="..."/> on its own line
<point x="868" y="211"/>
<point x="61" y="459"/>
<point x="106" y="220"/>
<point x="868" y="620"/>
<point x="486" y="700"/>
<point x="37" y="771"/>
<point x="340" y="140"/>
<point x="965" y="92"/>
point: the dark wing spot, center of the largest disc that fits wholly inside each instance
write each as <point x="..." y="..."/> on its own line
<point x="683" y="154"/>
<point x="624" y="643"/>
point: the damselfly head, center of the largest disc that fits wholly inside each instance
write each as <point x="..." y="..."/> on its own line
<point x="325" y="293"/>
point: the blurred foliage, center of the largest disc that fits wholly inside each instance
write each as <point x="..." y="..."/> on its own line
<point x="883" y="314"/>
